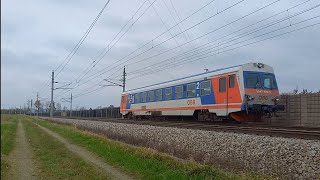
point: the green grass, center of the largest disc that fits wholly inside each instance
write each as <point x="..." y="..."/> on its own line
<point x="8" y="134"/>
<point x="54" y="161"/>
<point x="140" y="162"/>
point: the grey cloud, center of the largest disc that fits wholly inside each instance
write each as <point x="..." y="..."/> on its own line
<point x="38" y="35"/>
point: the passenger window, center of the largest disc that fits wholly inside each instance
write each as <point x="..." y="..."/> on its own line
<point x="168" y="93"/>
<point x="191" y="90"/>
<point x="131" y="99"/>
<point x="159" y="94"/>
<point x="205" y="88"/>
<point x="179" y="92"/>
<point x="231" y="81"/>
<point x="151" y="96"/>
<point x="222" y="84"/>
<point x="144" y="97"/>
<point x="137" y="98"/>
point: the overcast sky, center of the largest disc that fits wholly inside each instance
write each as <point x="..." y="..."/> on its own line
<point x="38" y="35"/>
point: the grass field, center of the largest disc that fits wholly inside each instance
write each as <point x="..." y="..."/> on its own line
<point x="53" y="160"/>
<point x="8" y="132"/>
<point x="144" y="163"/>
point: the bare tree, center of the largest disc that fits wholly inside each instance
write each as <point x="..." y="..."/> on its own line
<point x="65" y="108"/>
<point x="304" y="91"/>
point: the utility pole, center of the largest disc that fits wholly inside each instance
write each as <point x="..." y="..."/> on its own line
<point x="31" y="106"/>
<point x="37" y="103"/>
<point x="51" y="104"/>
<point x="124" y="79"/>
<point x="71" y="105"/>
<point x="28" y="110"/>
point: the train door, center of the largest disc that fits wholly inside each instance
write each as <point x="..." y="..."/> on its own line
<point x="223" y="96"/>
<point x="233" y="93"/>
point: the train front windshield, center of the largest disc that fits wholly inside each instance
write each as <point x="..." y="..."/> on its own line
<point x="259" y="80"/>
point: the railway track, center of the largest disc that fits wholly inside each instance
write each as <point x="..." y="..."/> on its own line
<point x="257" y="129"/>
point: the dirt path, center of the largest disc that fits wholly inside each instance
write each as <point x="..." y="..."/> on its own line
<point x="88" y="156"/>
<point x="20" y="159"/>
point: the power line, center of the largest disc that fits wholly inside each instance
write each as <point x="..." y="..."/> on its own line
<point x="103" y="53"/>
<point x="75" y="49"/>
<point x="246" y="33"/>
<point x="109" y="47"/>
<point x="200" y="9"/>
<point x="216" y="28"/>
<point x="250" y="13"/>
<point x="99" y="73"/>
<point x="288" y="32"/>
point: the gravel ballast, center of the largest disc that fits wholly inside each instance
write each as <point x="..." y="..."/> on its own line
<point x="285" y="157"/>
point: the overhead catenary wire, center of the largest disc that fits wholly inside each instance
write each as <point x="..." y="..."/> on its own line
<point x="75" y="49"/>
<point x="234" y="32"/>
<point x="218" y="48"/>
<point x="195" y="12"/>
<point x="108" y="48"/>
<point x="105" y="70"/>
<point x="259" y="9"/>
<point x="220" y="52"/>
<point x="231" y="49"/>
<point x="216" y="28"/>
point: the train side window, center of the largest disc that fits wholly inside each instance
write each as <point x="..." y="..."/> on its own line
<point x="144" y="97"/>
<point x="231" y="81"/>
<point x="151" y="96"/>
<point x="191" y="90"/>
<point x="137" y="98"/>
<point x="159" y="94"/>
<point x="205" y="88"/>
<point x="168" y="93"/>
<point x="222" y="84"/>
<point x="178" y="92"/>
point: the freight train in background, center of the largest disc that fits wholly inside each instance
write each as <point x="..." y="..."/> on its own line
<point x="242" y="93"/>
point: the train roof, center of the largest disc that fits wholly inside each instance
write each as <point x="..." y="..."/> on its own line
<point x="191" y="76"/>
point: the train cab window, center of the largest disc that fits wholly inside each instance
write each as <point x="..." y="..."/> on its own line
<point x="144" y="97"/>
<point x="205" y="88"/>
<point x="269" y="81"/>
<point x="159" y="94"/>
<point x="137" y="98"/>
<point x="253" y="80"/>
<point x="178" y="92"/>
<point x="168" y="93"/>
<point x="191" y="90"/>
<point x="151" y="96"/>
<point x="231" y="81"/>
<point x="222" y="84"/>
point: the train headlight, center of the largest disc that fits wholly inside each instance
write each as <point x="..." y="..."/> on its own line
<point x="276" y="100"/>
<point x="250" y="98"/>
<point x="260" y="65"/>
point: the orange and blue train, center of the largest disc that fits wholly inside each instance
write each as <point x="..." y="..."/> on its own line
<point x="244" y="93"/>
